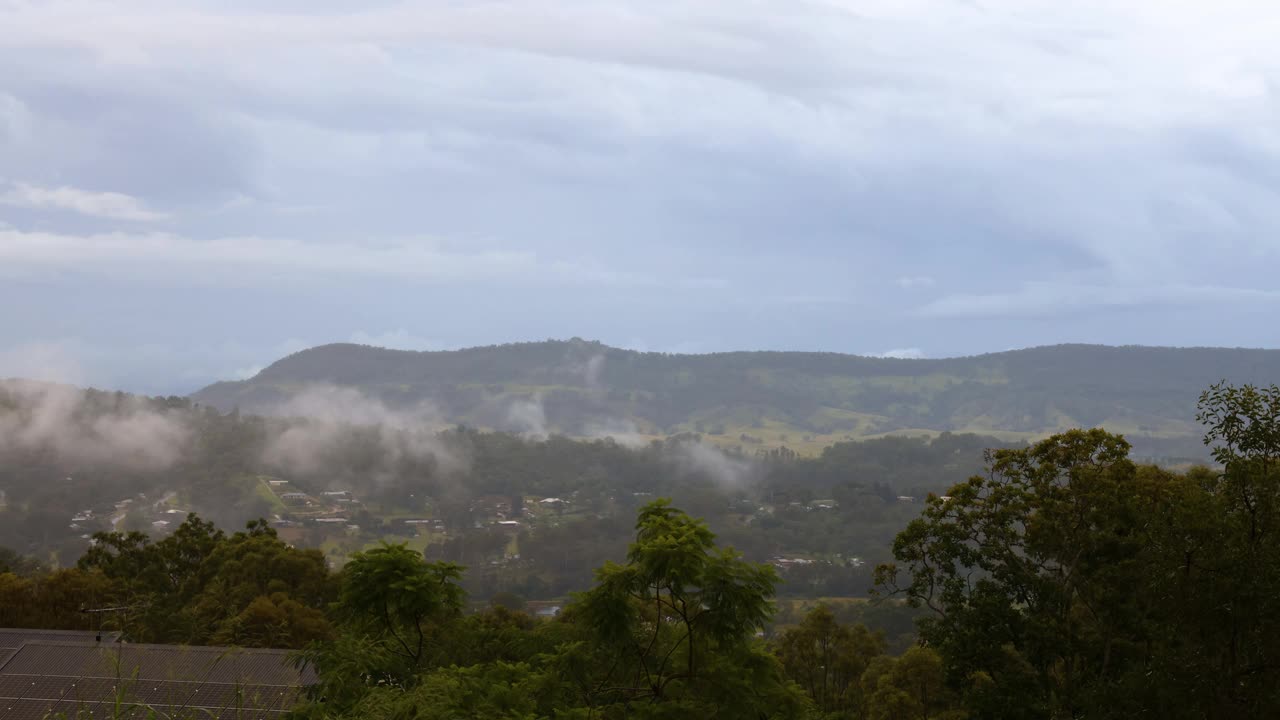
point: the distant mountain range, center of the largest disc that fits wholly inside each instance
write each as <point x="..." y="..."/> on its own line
<point x="803" y="400"/>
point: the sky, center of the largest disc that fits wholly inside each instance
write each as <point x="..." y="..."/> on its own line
<point x="191" y="190"/>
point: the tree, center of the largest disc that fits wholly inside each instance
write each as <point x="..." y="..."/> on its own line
<point x="1034" y="573"/>
<point x="828" y="659"/>
<point x="1070" y="582"/>
<point x="1229" y="581"/>
<point x="911" y="686"/>
<point x="12" y="562"/>
<point x="675" y="626"/>
<point x="197" y="585"/>
<point x="508" y="600"/>
<point x="392" y="591"/>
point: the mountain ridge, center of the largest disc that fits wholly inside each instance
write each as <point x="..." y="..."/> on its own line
<point x="576" y="387"/>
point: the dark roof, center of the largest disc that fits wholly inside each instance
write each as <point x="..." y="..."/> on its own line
<point x="13" y="638"/>
<point x="80" y="678"/>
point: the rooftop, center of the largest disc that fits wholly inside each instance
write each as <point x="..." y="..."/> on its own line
<point x="44" y="673"/>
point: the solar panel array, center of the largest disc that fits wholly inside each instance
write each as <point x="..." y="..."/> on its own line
<point x="45" y="679"/>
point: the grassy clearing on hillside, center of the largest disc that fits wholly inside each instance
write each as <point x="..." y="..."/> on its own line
<point x="264" y="490"/>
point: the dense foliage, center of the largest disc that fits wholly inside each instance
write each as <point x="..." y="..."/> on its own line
<point x="674" y="632"/>
<point x="1070" y="582"/>
<point x="196" y="586"/>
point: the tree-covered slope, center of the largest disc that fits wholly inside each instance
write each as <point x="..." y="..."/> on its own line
<point x="584" y="388"/>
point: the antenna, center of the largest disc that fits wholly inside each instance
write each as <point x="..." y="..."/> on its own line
<point x="120" y="609"/>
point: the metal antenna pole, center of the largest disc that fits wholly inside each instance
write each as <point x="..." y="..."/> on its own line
<point x="121" y="609"/>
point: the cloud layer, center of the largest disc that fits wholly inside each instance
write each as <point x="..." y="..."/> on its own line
<point x="811" y="174"/>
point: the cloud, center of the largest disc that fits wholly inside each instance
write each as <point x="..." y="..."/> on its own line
<point x="621" y="430"/>
<point x="328" y="414"/>
<point x="527" y="417"/>
<point x="902" y="354"/>
<point x="752" y="176"/>
<point x="126" y="432"/>
<point x="727" y="472"/>
<point x="911" y="282"/>
<point x="1036" y="299"/>
<point x="108" y="205"/>
<point x="240" y="259"/>
<point x="15" y="120"/>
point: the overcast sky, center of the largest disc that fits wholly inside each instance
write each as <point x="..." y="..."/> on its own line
<point x="189" y="191"/>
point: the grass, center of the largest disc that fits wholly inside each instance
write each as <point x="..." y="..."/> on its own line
<point x="264" y="491"/>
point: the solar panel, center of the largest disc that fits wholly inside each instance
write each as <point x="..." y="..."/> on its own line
<point x="95" y="681"/>
<point x="25" y="710"/>
<point x="14" y="687"/>
<point x="85" y="689"/>
<point x="259" y="667"/>
<point x="15" y="637"/>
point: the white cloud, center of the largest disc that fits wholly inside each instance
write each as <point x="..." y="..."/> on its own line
<point x="1052" y="298"/>
<point x="910" y="282"/>
<point x="902" y="354"/>
<point x="15" y="120"/>
<point x="244" y="259"/>
<point x="106" y="205"/>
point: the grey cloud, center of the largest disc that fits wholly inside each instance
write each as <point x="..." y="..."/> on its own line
<point x="746" y="175"/>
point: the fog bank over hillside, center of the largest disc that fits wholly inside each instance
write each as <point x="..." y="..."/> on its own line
<point x="112" y="429"/>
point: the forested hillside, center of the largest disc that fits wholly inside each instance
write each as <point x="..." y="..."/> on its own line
<point x="1064" y="580"/>
<point x="530" y="515"/>
<point x="804" y="401"/>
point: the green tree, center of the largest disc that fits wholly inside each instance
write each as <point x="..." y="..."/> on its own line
<point x="676" y="626"/>
<point x="909" y="687"/>
<point x="198" y="585"/>
<point x="393" y="591"/>
<point x="391" y="612"/>
<point x="1069" y="582"/>
<point x="1034" y="573"/>
<point x="828" y="659"/>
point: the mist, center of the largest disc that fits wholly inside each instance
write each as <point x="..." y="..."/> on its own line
<point x="728" y="473"/>
<point x="89" y="427"/>
<point x="528" y="418"/>
<point x="324" y="416"/>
